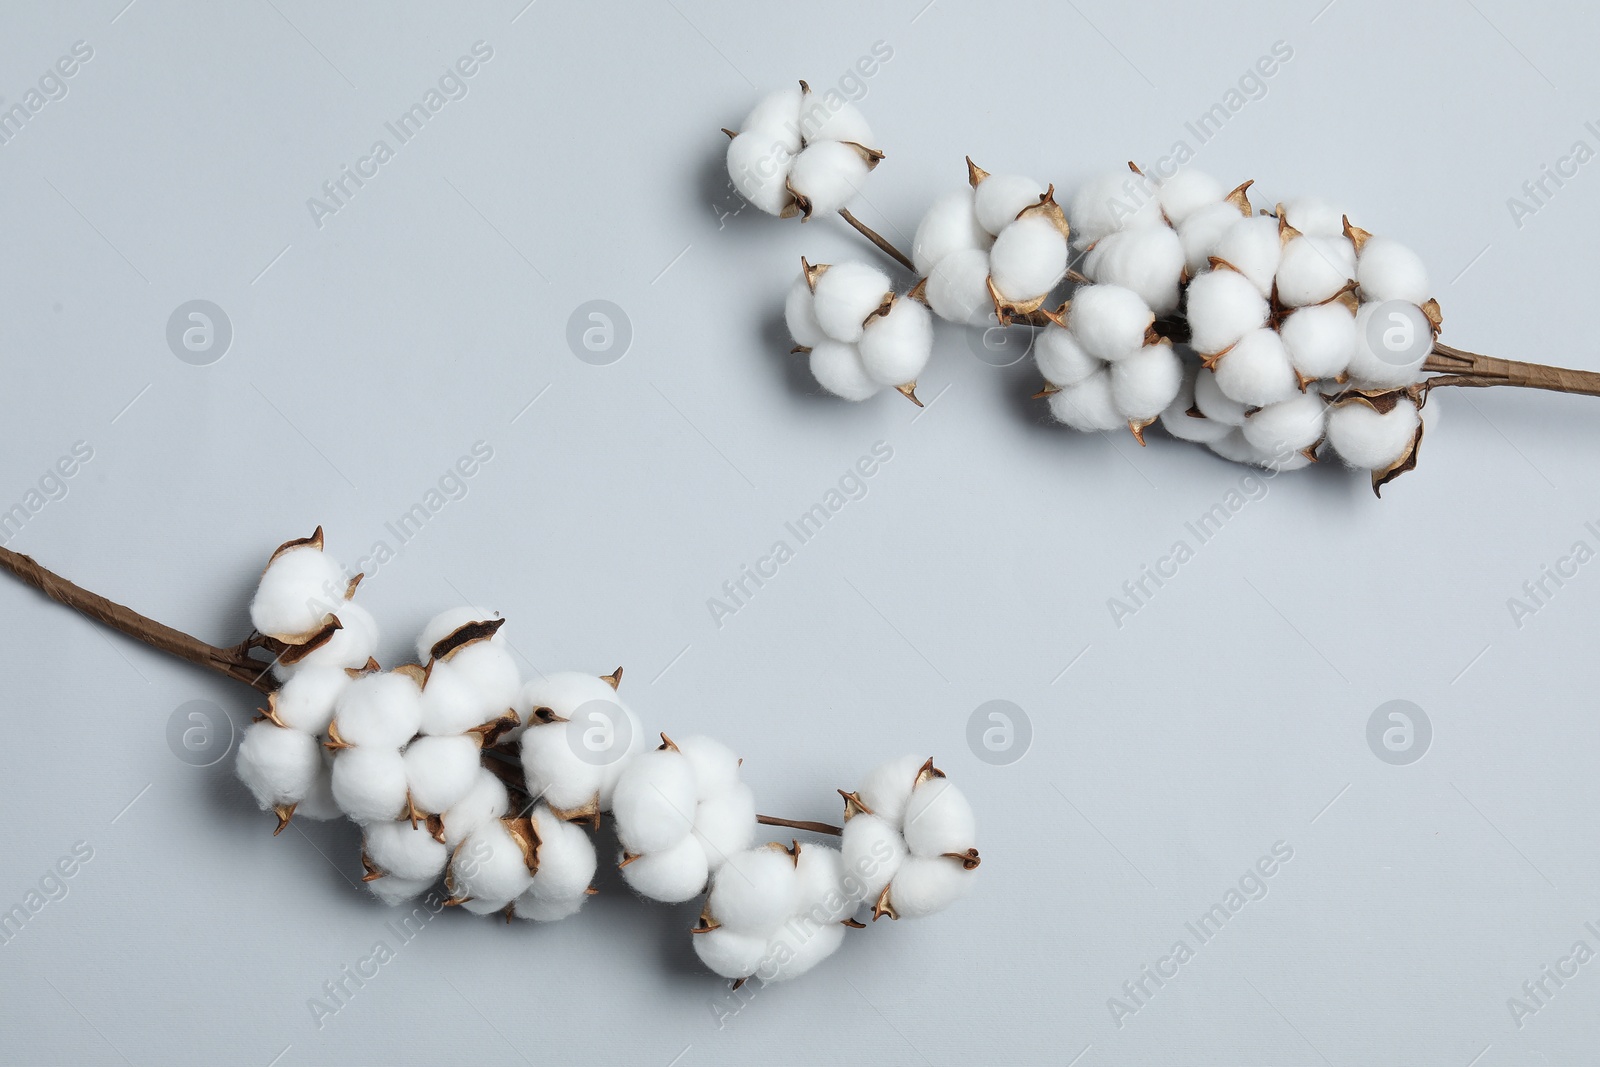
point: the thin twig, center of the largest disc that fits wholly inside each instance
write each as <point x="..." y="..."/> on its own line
<point x="797" y="824"/>
<point x="876" y="238"/>
<point x="235" y="662"/>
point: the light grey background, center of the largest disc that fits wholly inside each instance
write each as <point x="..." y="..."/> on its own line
<point x="369" y="354"/>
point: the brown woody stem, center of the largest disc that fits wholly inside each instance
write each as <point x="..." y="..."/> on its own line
<point x="798" y="824"/>
<point x="1471" y="370"/>
<point x="235" y="662"/>
<point x="876" y="238"/>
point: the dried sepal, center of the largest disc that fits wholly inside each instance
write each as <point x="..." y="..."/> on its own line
<point x="489" y="732"/>
<point x="543" y="716"/>
<point x="469" y="633"/>
<point x="1406" y="462"/>
<point x="1239" y="198"/>
<point x="1047" y="390"/>
<point x="270" y="712"/>
<point x="1355" y="235"/>
<point x="413" y="814"/>
<point x="627" y="858"/>
<point x="614" y="679"/>
<point x="1218" y="263"/>
<point x="667" y="744"/>
<point x="415" y="671"/>
<point x="885" y="306"/>
<point x="853" y="805"/>
<point x="1048" y="209"/>
<point x="975" y="173"/>
<point x="588" y="811"/>
<point x="731" y="133"/>
<point x="1286" y="233"/>
<point x="919" y="292"/>
<point x="314" y="541"/>
<point x="707" y="923"/>
<point x="284" y="812"/>
<point x="1382" y="401"/>
<point x="435" y="825"/>
<point x="374" y="872"/>
<point x="1434" y="314"/>
<point x="299" y="646"/>
<point x="870" y="156"/>
<point x="526" y="835"/>
<point x="1138" y="427"/>
<point x="854" y="924"/>
<point x="968" y="859"/>
<point x="927" y="773"/>
<point x="369" y="667"/>
<point x="909" y="391"/>
<point x="334" y="742"/>
<point x="883" y="906"/>
<point x="1006" y="310"/>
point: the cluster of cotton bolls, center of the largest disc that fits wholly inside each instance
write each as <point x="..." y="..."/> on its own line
<point x="996" y="248"/>
<point x="801" y="152"/>
<point x="680" y="812"/>
<point x="861" y="337"/>
<point x="422" y="758"/>
<point x="303" y="611"/>
<point x="1306" y="328"/>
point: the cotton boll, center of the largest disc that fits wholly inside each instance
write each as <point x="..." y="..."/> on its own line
<point x="567" y="858"/>
<point x="492" y="671"/>
<point x="1314" y="268"/>
<point x="1370" y="441"/>
<point x="999" y="198"/>
<point x="754" y="890"/>
<point x="611" y="773"/>
<point x="401" y="850"/>
<point x="1287" y="427"/>
<point x="554" y="771"/>
<point x="828" y="116"/>
<point x="729" y="953"/>
<point x="451" y="704"/>
<point x="1089" y="405"/>
<point x="725" y="823"/>
<point x="1388" y="270"/>
<point x="673" y="875"/>
<point x="1201" y="231"/>
<point x="533" y="907"/>
<point x="828" y="175"/>
<point x="873" y="851"/>
<point x="654" y="802"/>
<point x="925" y="885"/>
<point x="800" y="315"/>
<point x="1253" y="248"/>
<point x="796" y="951"/>
<point x="485" y="905"/>
<point x="298" y="590"/>
<point x="1403" y="338"/>
<point x="778" y="110"/>
<point x="886" y="790"/>
<point x="1109" y="321"/>
<point x="1028" y="259"/>
<point x="951" y="225"/>
<point x="448" y="622"/>
<point x="490" y="867"/>
<point x="1143" y="384"/>
<point x="958" y="288"/>
<point x="1186" y="192"/>
<point x="1223" y="306"/>
<point x="369" y="784"/>
<point x="1061" y="359"/>
<point x="1119" y="200"/>
<point x="1177" y="421"/>
<point x="939" y="820"/>
<point x="485" y="802"/>
<point x="392" y="890"/>
<point x="1148" y="261"/>
<point x="382" y="710"/>
<point x="846" y="294"/>
<point x="759" y="162"/>
<point x="895" y="347"/>
<point x="441" y="770"/>
<point x="1213" y="403"/>
<point x="1256" y="371"/>
<point x="305" y="702"/>
<point x="1320" y="339"/>
<point x="277" y="765"/>
<point x="837" y="367"/>
<point x="715" y="766"/>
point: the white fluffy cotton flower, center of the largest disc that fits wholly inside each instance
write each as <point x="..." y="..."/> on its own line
<point x="580" y="737"/>
<point x="858" y="335"/>
<point x="775" y="913"/>
<point x="1368" y="439"/>
<point x="680" y="812"/>
<point x="801" y="152"/>
<point x="301" y="586"/>
<point x="910" y="840"/>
